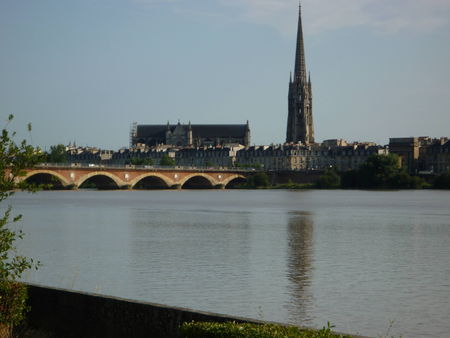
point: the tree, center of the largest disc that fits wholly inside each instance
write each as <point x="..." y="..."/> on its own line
<point x="166" y="160"/>
<point x="57" y="154"/>
<point x="381" y="171"/>
<point x="14" y="158"/>
<point x="442" y="181"/>
<point x="141" y="161"/>
<point x="329" y="180"/>
<point x="258" y="180"/>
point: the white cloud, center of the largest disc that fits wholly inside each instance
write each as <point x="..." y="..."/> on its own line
<point x="320" y="15"/>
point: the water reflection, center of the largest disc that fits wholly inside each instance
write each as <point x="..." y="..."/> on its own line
<point x="300" y="253"/>
<point x="358" y="259"/>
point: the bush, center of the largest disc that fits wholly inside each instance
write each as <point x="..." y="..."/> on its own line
<point x="329" y="180"/>
<point x="442" y="181"/>
<point x="14" y="158"/>
<point x="258" y="180"/>
<point x="57" y="154"/>
<point x="248" y="330"/>
<point x="404" y="181"/>
<point x="166" y="160"/>
<point x="381" y="171"/>
<point x="349" y="179"/>
<point x="13" y="296"/>
<point x="141" y="161"/>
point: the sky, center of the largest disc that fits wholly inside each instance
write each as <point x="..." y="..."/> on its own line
<point x="83" y="71"/>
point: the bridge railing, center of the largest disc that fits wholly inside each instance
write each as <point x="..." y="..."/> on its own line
<point x="140" y="167"/>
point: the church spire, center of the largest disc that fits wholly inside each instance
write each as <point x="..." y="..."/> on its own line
<point x="300" y="126"/>
<point x="300" y="64"/>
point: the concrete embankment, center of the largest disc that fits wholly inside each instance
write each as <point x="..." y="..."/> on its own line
<point x="63" y="313"/>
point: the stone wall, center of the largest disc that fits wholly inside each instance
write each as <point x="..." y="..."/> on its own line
<point x="63" y="313"/>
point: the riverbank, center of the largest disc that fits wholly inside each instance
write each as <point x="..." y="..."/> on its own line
<point x="63" y="313"/>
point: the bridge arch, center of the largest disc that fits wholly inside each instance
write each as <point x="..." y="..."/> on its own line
<point x="198" y="181"/>
<point x="52" y="173"/>
<point x="166" y="181"/>
<point x="230" y="181"/>
<point x="117" y="181"/>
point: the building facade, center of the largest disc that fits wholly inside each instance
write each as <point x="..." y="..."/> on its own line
<point x="300" y="127"/>
<point x="422" y="154"/>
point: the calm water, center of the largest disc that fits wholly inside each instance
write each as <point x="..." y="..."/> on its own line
<point x="364" y="261"/>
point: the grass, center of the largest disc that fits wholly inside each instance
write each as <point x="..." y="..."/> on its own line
<point x="248" y="330"/>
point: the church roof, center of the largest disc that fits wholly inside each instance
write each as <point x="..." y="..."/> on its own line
<point x="218" y="130"/>
<point x="198" y="130"/>
<point x="151" y="130"/>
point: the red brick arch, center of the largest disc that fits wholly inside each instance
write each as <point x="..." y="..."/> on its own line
<point x="58" y="176"/>
<point x="74" y="176"/>
<point x="164" y="178"/>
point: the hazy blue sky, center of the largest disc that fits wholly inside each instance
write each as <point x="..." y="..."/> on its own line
<point x="84" y="70"/>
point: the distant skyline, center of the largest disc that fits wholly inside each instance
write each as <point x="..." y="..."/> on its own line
<point x="85" y="70"/>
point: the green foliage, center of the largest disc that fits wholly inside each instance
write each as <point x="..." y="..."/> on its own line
<point x="261" y="180"/>
<point x="442" y="181"/>
<point x="14" y="158"/>
<point x="382" y="172"/>
<point x="404" y="181"/>
<point x="349" y="179"/>
<point x="329" y="180"/>
<point x="141" y="161"/>
<point x="379" y="171"/>
<point x="13" y="306"/>
<point x="248" y="330"/>
<point x="257" y="180"/>
<point x="256" y="166"/>
<point x="210" y="164"/>
<point x="57" y="154"/>
<point x="167" y="160"/>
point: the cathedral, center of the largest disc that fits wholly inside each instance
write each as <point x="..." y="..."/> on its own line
<point x="191" y="135"/>
<point x="300" y="128"/>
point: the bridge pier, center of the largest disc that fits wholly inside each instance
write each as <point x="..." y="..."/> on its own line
<point x="176" y="187"/>
<point x="219" y="186"/>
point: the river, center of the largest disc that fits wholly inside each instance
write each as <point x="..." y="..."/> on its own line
<point x="370" y="262"/>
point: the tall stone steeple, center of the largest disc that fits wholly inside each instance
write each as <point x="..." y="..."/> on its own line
<point x="300" y="126"/>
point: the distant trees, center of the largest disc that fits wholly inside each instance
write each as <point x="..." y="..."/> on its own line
<point x="381" y="172"/>
<point x="167" y="160"/>
<point x="57" y="154"/>
<point x="256" y="166"/>
<point x="258" y="180"/>
<point x="141" y="161"/>
<point x="442" y="181"/>
<point x="329" y="180"/>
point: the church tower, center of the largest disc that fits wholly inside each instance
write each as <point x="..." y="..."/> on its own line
<point x="300" y="126"/>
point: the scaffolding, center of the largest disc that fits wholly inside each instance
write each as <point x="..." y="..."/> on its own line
<point x="133" y="133"/>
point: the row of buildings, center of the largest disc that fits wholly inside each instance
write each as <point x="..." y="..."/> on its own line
<point x="422" y="154"/>
<point x="417" y="154"/>
<point x="228" y="145"/>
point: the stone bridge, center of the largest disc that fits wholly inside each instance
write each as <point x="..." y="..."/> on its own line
<point x="134" y="177"/>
